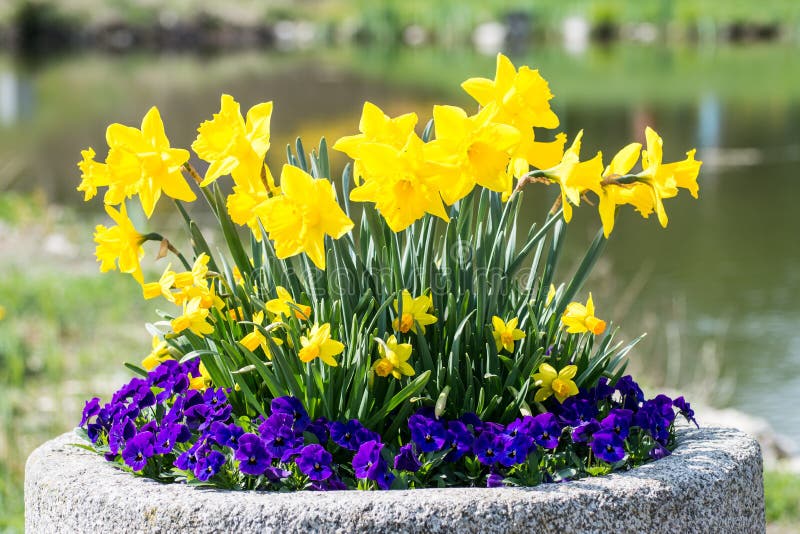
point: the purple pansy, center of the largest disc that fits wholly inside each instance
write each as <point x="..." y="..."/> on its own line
<point x="608" y="446"/>
<point x="315" y="462"/>
<point x="406" y="460"/>
<point x="351" y="435"/>
<point x="368" y="464"/>
<point x="488" y="447"/>
<point x="545" y="430"/>
<point x="209" y="465"/>
<point x="618" y="421"/>
<point x="429" y="434"/>
<point x="294" y="408"/>
<point x="253" y="455"/>
<point x="137" y="450"/>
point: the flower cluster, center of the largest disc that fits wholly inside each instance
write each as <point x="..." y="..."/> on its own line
<point x="164" y="427"/>
<point x="419" y="339"/>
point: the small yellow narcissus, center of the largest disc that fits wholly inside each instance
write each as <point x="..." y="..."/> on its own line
<point x="579" y="318"/>
<point x="256" y="339"/>
<point x="415" y="311"/>
<point x="159" y="354"/>
<point x="202" y="381"/>
<point x="162" y="288"/>
<point x="119" y="246"/>
<point x="318" y="344"/>
<point x="394" y="358"/>
<point x="2" y="312"/>
<point x="194" y="318"/>
<point x="506" y="333"/>
<point x="284" y="305"/>
<point x="555" y="382"/>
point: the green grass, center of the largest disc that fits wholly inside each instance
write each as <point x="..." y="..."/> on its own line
<point x="66" y="332"/>
<point x="782" y="494"/>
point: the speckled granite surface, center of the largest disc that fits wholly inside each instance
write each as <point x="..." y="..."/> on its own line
<point x="711" y="483"/>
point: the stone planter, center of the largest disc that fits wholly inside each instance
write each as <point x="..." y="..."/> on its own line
<point x="711" y="483"/>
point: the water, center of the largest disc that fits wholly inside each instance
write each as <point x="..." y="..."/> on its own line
<point x="717" y="290"/>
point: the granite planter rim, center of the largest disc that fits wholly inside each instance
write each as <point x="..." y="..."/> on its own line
<point x="713" y="480"/>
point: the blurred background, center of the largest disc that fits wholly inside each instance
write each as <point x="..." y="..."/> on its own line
<point x="717" y="291"/>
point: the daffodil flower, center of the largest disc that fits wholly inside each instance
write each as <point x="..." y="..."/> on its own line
<point x="479" y="148"/>
<point x="415" y="312"/>
<point x="394" y="358"/>
<point x="318" y="344"/>
<point x="284" y="305"/>
<point x="202" y="381"/>
<point x="522" y="96"/>
<point x="162" y="288"/>
<point x="575" y="176"/>
<point x="119" y="246"/>
<point x="506" y="333"/>
<point x="93" y="174"/>
<point x="194" y="318"/>
<point x="579" y="318"/>
<point x="159" y="354"/>
<point x="197" y="276"/>
<point x="256" y="339"/>
<point x="300" y="217"/>
<point x="234" y="145"/>
<point x="141" y="161"/>
<point x="405" y="183"/>
<point x="552" y="382"/>
<point x="376" y="127"/>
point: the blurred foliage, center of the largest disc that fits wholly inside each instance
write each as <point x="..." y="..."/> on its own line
<point x="45" y="346"/>
<point x="782" y="495"/>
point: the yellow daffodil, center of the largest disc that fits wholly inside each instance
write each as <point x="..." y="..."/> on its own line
<point x="207" y="294"/>
<point x="479" y="148"/>
<point x="376" y="127"/>
<point x="195" y="277"/>
<point x="161" y="288"/>
<point x="238" y="279"/>
<point x="119" y="246"/>
<point x="140" y="161"/>
<point x="415" y="312"/>
<point x="506" y="333"/>
<point x="551" y="293"/>
<point x="394" y="359"/>
<point x="2" y="312"/>
<point x="159" y="354"/>
<point x="233" y="145"/>
<point x="656" y="182"/>
<point x="285" y="305"/>
<point x="298" y="219"/>
<point x="403" y="183"/>
<point x="93" y="174"/>
<point x="579" y="318"/>
<point x="575" y="176"/>
<point x="552" y="382"/>
<point x="202" y="381"/>
<point x="611" y="195"/>
<point x="256" y="339"/>
<point x="523" y="97"/>
<point x="318" y="344"/>
<point x="194" y="318"/>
